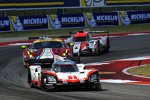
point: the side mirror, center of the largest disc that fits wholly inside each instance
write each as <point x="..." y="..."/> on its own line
<point x="23" y="46"/>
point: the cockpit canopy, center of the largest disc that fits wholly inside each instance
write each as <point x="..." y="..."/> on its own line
<point x="81" y="36"/>
<point x="47" y="44"/>
<point x="64" y="66"/>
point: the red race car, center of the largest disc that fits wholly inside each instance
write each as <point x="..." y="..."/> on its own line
<point x="43" y="51"/>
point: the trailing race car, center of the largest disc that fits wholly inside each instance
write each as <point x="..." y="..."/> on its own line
<point x="43" y="51"/>
<point x="64" y="72"/>
<point x="84" y="43"/>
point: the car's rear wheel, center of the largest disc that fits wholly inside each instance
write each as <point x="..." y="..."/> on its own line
<point x="107" y="46"/>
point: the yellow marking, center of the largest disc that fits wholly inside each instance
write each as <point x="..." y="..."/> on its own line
<point x="33" y="4"/>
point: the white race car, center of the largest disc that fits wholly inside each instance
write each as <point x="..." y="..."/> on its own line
<point x="84" y="43"/>
<point x="63" y="72"/>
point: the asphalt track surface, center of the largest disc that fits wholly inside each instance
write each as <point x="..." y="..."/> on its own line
<point x="13" y="76"/>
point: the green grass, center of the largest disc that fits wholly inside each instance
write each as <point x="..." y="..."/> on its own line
<point x="142" y="70"/>
<point x="112" y="29"/>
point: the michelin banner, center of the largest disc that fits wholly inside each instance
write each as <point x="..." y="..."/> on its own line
<point x="75" y="20"/>
<point x="19" y="23"/>
<point x="134" y="17"/>
<point x="4" y="24"/>
<point x="100" y="19"/>
<point x="66" y="21"/>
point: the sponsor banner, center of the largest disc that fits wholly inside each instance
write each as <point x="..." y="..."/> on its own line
<point x="98" y="19"/>
<point x="38" y="3"/>
<point x="127" y="2"/>
<point x="4" y="24"/>
<point x="92" y="3"/>
<point x="139" y="17"/>
<point x="19" y="23"/>
<point x="74" y="20"/>
<point x="134" y="17"/>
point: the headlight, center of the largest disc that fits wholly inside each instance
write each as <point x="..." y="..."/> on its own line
<point x="51" y="79"/>
<point x="64" y="54"/>
<point x="93" y="78"/>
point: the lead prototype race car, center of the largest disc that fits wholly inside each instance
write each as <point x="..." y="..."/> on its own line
<point x="83" y="43"/>
<point x="64" y="72"/>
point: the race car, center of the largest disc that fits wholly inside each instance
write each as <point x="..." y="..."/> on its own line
<point x="83" y="43"/>
<point x="64" y="72"/>
<point x="43" y="51"/>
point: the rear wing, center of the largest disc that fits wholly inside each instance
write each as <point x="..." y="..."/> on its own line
<point x="48" y="37"/>
<point x="99" y="33"/>
<point x="94" y="33"/>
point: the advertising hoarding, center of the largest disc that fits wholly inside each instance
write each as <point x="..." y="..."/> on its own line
<point x="134" y="17"/>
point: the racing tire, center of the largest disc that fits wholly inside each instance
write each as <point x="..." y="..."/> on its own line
<point x="108" y="46"/>
<point x="97" y="86"/>
<point x="44" y="87"/>
<point x="29" y="79"/>
<point x="99" y="48"/>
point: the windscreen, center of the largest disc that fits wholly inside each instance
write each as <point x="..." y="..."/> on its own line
<point x="79" y="39"/>
<point x="65" y="68"/>
<point x="47" y="44"/>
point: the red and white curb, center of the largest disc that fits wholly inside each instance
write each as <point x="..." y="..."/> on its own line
<point x="115" y="71"/>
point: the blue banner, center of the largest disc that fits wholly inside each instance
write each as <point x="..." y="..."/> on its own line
<point x="109" y="18"/>
<point x="4" y="24"/>
<point x="99" y="19"/>
<point x="139" y="17"/>
<point x="74" y="20"/>
<point x="38" y="3"/>
<point x="19" y="23"/>
<point x="134" y="17"/>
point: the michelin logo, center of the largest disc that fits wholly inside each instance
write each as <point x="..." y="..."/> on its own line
<point x="16" y="23"/>
<point x="124" y="18"/>
<point x="56" y="24"/>
<point x="91" y="20"/>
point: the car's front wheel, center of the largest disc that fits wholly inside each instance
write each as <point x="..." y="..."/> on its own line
<point x="94" y="79"/>
<point x="29" y="79"/>
<point x="44" y="87"/>
<point x="97" y="86"/>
